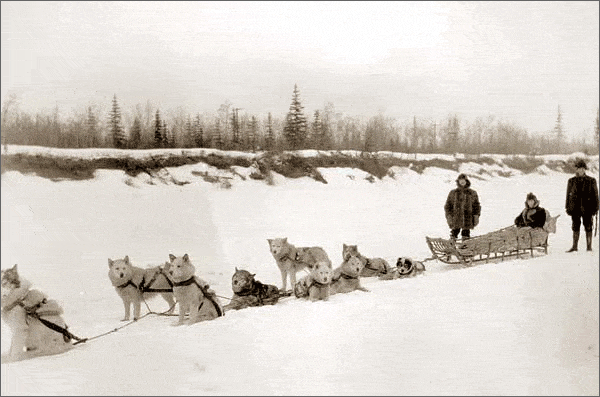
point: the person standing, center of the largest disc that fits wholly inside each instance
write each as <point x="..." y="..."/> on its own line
<point x="462" y="208"/>
<point x="582" y="203"/>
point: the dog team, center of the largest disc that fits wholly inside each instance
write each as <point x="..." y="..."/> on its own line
<point x="38" y="327"/>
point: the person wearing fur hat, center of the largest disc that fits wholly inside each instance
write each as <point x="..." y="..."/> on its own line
<point x="462" y="208"/>
<point x="582" y="203"/>
<point x="533" y="215"/>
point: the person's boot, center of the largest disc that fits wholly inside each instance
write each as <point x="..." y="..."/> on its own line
<point x="588" y="240"/>
<point x="575" y="240"/>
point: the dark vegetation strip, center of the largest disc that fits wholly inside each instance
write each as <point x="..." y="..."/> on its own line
<point x="286" y="164"/>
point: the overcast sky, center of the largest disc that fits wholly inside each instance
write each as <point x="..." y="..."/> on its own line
<point x="517" y="60"/>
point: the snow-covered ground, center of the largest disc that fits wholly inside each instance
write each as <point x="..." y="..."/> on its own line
<point x="519" y="327"/>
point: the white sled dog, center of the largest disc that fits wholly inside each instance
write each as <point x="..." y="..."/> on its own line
<point x="192" y="293"/>
<point x="25" y="310"/>
<point x="372" y="266"/>
<point x="134" y="284"/>
<point x="291" y="259"/>
<point x="346" y="276"/>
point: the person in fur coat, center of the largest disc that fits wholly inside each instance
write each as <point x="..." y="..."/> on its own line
<point x="533" y="215"/>
<point x="462" y="208"/>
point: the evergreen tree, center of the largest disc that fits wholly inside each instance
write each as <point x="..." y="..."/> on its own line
<point x="116" y="130"/>
<point x="236" y="139"/>
<point x="189" y="132"/>
<point x="165" y="135"/>
<point x="558" y="133"/>
<point x="198" y="132"/>
<point x="92" y="128"/>
<point x="252" y="133"/>
<point x="135" y="133"/>
<point x="294" y="130"/>
<point x="217" y="138"/>
<point x="597" y="129"/>
<point x="317" y="131"/>
<point x="158" y="131"/>
<point x="270" y="138"/>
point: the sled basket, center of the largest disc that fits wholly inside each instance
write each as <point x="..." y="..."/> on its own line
<point x="503" y="243"/>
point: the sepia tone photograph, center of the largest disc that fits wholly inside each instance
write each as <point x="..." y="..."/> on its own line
<point x="333" y="198"/>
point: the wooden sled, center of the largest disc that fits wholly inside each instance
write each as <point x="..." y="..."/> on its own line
<point x="500" y="244"/>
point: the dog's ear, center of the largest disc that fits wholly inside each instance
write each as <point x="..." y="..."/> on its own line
<point x="110" y="263"/>
<point x="253" y="274"/>
<point x="236" y="269"/>
<point x="14" y="267"/>
<point x="285" y="239"/>
<point x="345" y="246"/>
<point x="172" y="257"/>
<point x="126" y="259"/>
<point x="186" y="258"/>
<point x="270" y="241"/>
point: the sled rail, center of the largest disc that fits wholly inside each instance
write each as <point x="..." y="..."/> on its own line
<point x="500" y="244"/>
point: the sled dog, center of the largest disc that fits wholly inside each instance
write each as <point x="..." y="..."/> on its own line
<point x="372" y="266"/>
<point x="346" y="277"/>
<point x="192" y="293"/>
<point x="291" y="259"/>
<point x="302" y="285"/>
<point x="405" y="267"/>
<point x="25" y="310"/>
<point x="134" y="284"/>
<point x="247" y="291"/>
<point x="319" y="289"/>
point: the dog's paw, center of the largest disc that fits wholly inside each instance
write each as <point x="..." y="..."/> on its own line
<point x="125" y="319"/>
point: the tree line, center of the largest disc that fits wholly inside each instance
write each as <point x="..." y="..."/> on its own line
<point x="147" y="127"/>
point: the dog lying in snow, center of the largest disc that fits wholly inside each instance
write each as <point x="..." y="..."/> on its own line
<point x="405" y="267"/>
<point x="291" y="259"/>
<point x="371" y="266"/>
<point x="25" y="310"/>
<point x="134" y="284"/>
<point x="316" y="284"/>
<point x="247" y="291"/>
<point x="192" y="293"/>
<point x="346" y="277"/>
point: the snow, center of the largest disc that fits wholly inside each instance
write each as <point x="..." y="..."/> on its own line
<point x="519" y="327"/>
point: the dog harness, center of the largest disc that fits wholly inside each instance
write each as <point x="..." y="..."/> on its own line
<point x="32" y="311"/>
<point x="192" y="280"/>
<point x="370" y="267"/>
<point x="345" y="276"/>
<point x="146" y="288"/>
<point x="128" y="283"/>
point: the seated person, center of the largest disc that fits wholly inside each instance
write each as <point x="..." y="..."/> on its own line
<point x="533" y="215"/>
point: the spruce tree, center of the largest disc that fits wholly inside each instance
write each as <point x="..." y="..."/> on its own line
<point x="165" y="135"/>
<point x="558" y="133"/>
<point x="317" y="131"/>
<point x="294" y="130"/>
<point x="116" y="130"/>
<point x="270" y="138"/>
<point x="135" y="134"/>
<point x="252" y="133"/>
<point x="158" y="131"/>
<point x="597" y="129"/>
<point x="198" y="132"/>
<point x="236" y="139"/>
<point x="217" y="138"/>
<point x="92" y="128"/>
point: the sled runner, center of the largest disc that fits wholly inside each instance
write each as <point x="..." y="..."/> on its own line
<point x="504" y="243"/>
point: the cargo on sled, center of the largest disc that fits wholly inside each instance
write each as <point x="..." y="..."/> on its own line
<point x="500" y="244"/>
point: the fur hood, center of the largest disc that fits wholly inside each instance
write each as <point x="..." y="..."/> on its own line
<point x="463" y="176"/>
<point x="532" y="196"/>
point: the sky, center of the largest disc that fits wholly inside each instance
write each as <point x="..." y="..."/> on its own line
<point x="516" y="61"/>
<point x="518" y="327"/>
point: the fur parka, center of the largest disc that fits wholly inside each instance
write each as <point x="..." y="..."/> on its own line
<point x="462" y="205"/>
<point x="534" y="216"/>
<point x="582" y="196"/>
